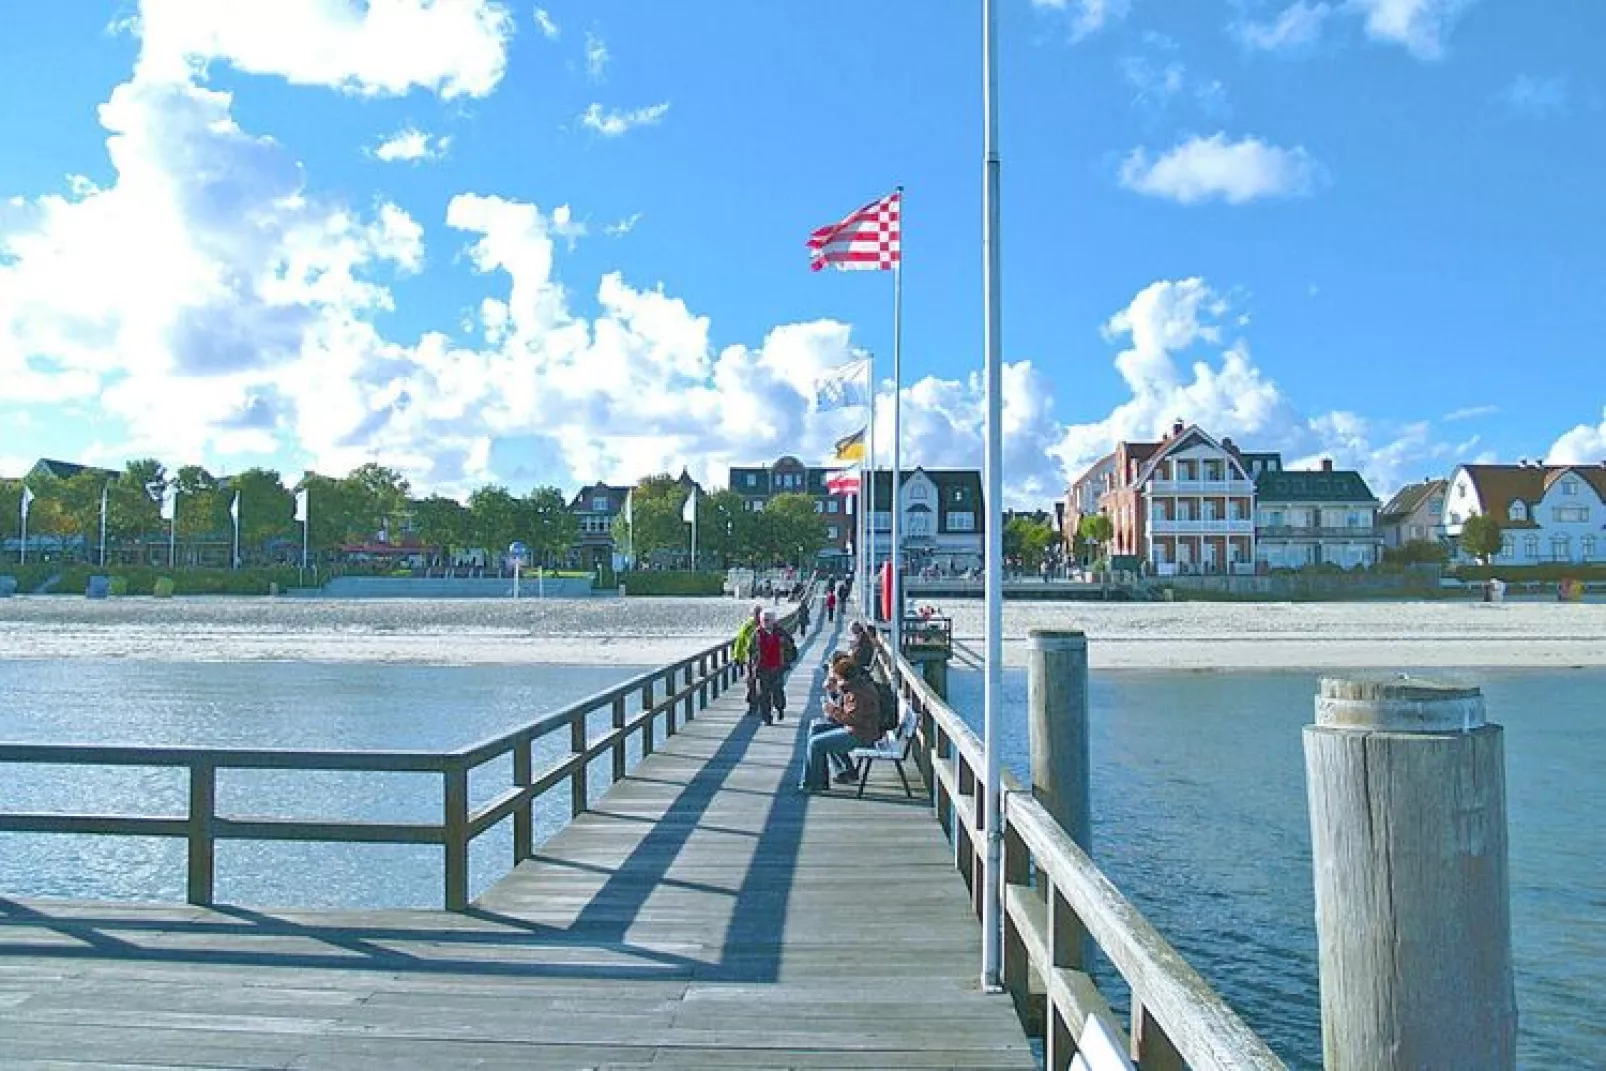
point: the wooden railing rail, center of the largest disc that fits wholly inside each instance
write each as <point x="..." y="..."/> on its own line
<point x="673" y="693"/>
<point x="1055" y="899"/>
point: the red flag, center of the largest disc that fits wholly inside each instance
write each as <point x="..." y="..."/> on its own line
<point x="870" y="239"/>
<point x="845" y="482"/>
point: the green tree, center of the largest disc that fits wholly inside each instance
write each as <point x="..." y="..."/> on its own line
<point x="441" y="522"/>
<point x="494" y="517"/>
<point x="1481" y="537"/>
<point x="331" y="518"/>
<point x="10" y="509"/>
<point x="722" y="526"/>
<point x="548" y="526"/>
<point x="655" y="526"/>
<point x="267" y="509"/>
<point x="202" y="510"/>
<point x="1418" y="551"/>
<point x="377" y="497"/>
<point x="1027" y="540"/>
<point x="133" y="508"/>
<point x="1097" y="530"/>
<point x="794" y="528"/>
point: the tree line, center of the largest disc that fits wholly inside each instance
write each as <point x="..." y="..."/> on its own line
<point x="788" y="530"/>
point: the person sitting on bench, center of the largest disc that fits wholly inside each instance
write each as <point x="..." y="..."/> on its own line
<point x="855" y="722"/>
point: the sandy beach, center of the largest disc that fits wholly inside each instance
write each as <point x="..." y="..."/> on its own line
<point x="639" y="632"/>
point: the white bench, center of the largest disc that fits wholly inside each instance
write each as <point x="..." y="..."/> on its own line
<point x="893" y="747"/>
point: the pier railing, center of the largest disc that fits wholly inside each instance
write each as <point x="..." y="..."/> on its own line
<point x="673" y="693"/>
<point x="1055" y="903"/>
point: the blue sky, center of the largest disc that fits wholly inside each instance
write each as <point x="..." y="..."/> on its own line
<point x="1364" y="229"/>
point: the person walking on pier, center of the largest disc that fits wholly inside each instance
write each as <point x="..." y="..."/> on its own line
<point x="830" y="604"/>
<point x="743" y="651"/>
<point x="769" y="667"/>
<point x="856" y="722"/>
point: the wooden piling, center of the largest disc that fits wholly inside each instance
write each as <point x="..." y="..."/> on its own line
<point x="1056" y="699"/>
<point x="1408" y="835"/>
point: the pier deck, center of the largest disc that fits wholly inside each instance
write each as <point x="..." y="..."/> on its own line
<point x="701" y="914"/>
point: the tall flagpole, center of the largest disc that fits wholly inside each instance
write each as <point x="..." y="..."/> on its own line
<point x="27" y="499"/>
<point x="104" y="488"/>
<point x="992" y="690"/>
<point x="234" y="562"/>
<point x="895" y="564"/>
<point x="869" y="499"/>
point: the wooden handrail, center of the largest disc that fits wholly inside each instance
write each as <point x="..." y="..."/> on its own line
<point x="1055" y="898"/>
<point x="690" y="681"/>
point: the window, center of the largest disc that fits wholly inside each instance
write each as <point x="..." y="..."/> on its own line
<point x="916" y="492"/>
<point x="1207" y="510"/>
<point x="1508" y="546"/>
<point x="833" y="506"/>
<point x="819" y="507"/>
<point x="919" y="524"/>
<point x="1530" y="547"/>
<point x="1586" y="549"/>
<point x="1559" y="548"/>
<point x="752" y="479"/>
<point x="961" y="522"/>
<point x="1569" y="486"/>
<point x="1436" y="507"/>
<point x="1570" y="514"/>
<point x="1460" y="490"/>
<point x="832" y="531"/>
<point x="599" y="504"/>
<point x="1184" y="511"/>
<point x="1360" y="519"/>
<point x="1518" y="510"/>
<point x="1274" y="518"/>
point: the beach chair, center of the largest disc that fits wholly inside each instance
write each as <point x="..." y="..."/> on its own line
<point x="893" y="747"/>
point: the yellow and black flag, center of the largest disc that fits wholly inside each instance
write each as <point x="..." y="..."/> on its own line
<point x="851" y="447"/>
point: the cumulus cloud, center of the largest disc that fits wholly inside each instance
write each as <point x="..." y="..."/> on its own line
<point x="386" y="47"/>
<point x="411" y="145"/>
<point x="1583" y="445"/>
<point x="1213" y="168"/>
<point x="614" y="123"/>
<point x="1419" y="26"/>
<point x="1087" y="16"/>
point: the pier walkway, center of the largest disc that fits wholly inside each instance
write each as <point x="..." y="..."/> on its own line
<point x="701" y="913"/>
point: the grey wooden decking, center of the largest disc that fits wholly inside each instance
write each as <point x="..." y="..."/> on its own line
<point x="703" y="914"/>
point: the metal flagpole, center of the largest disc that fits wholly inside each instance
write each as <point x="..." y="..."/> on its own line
<point x="234" y="562"/>
<point x="172" y="527"/>
<point x="27" y="498"/>
<point x="894" y="562"/>
<point x="992" y="690"/>
<point x="104" y="488"/>
<point x="869" y="499"/>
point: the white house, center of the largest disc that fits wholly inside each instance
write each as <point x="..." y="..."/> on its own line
<point x="1548" y="513"/>
<point x="942" y="519"/>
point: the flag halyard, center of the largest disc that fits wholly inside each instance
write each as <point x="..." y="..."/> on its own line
<point x="870" y="239"/>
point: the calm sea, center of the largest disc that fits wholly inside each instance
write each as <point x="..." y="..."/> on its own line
<point x="1198" y="797"/>
<point x="1199" y="816"/>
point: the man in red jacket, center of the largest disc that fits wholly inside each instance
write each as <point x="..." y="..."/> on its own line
<point x="769" y="666"/>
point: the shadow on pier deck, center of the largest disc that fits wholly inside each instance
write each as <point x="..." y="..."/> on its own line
<point x="700" y="914"/>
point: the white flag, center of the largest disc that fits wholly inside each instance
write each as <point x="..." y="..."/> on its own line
<point x="27" y="500"/>
<point x="842" y="386"/>
<point x="234" y="508"/>
<point x="688" y="512"/>
<point x="629" y="513"/>
<point x="169" y="501"/>
<point x="301" y="506"/>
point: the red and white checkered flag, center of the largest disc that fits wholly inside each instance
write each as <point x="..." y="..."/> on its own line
<point x="870" y="239"/>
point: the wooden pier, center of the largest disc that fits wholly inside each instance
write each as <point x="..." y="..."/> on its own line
<point x="702" y="913"/>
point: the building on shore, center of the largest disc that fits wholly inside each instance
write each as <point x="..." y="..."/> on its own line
<point x="757" y="484"/>
<point x="942" y="523"/>
<point x="596" y="506"/>
<point x="1546" y="513"/>
<point x="1184" y="504"/>
<point x="1323" y="517"/>
<point x="1414" y="515"/>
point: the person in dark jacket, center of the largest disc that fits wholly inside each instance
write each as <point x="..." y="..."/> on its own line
<point x="863" y="644"/>
<point x="856" y="722"/>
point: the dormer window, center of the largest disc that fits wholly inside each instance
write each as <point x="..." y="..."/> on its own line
<point x="1519" y="512"/>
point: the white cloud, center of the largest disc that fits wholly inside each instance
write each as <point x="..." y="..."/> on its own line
<point x="1156" y="87"/>
<point x="1088" y="16"/>
<point x="613" y="123"/>
<point x="382" y="47"/>
<point x="1471" y="412"/>
<point x="621" y="227"/>
<point x="1202" y="169"/>
<point x="549" y="29"/>
<point x="411" y="145"/>
<point x="1538" y="97"/>
<point x="1583" y="445"/>
<point x="1296" y="26"/>
<point x="596" y="58"/>
<point x="1420" y="26"/>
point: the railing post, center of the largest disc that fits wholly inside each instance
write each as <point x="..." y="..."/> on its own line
<point x="1016" y="972"/>
<point x="454" y="837"/>
<point x="619" y="744"/>
<point x="702" y="682"/>
<point x="1408" y="839"/>
<point x="577" y="783"/>
<point x="523" y="818"/>
<point x="201" y="851"/>
<point x="691" y="693"/>
<point x="1056" y="700"/>
<point x="647" y="725"/>
<point x="1152" y="1048"/>
<point x="671" y="704"/>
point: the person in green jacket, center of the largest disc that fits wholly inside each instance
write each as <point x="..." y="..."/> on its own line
<point x="744" y="651"/>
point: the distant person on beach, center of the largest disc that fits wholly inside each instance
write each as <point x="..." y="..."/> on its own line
<point x="853" y="720"/>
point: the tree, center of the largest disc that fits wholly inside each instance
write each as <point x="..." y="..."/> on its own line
<point x="1027" y="540"/>
<point x="377" y="496"/>
<point x="330" y="516"/>
<point x="494" y="517"/>
<point x="655" y="525"/>
<point x="1481" y="537"/>
<point x="202" y="510"/>
<point x="441" y="522"/>
<point x="548" y="526"/>
<point x="722" y="523"/>
<point x="794" y="528"/>
<point x="133" y="508"/>
<point x="1417" y="551"/>
<point x="1097" y="529"/>
<point x="267" y="509"/>
<point x="10" y="509"/>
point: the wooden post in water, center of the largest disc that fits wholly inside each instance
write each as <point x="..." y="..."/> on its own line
<point x="1408" y="838"/>
<point x="1056" y="699"/>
